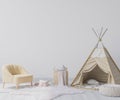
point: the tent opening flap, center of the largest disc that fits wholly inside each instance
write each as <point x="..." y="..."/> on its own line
<point x="96" y="74"/>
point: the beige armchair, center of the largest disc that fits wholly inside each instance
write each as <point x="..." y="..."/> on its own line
<point x="15" y="74"/>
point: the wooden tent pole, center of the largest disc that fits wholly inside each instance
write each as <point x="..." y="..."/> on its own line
<point x="104" y="33"/>
<point x="101" y="32"/>
<point x="95" y="33"/>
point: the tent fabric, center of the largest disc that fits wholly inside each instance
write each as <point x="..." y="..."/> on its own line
<point x="92" y="62"/>
<point x="99" y="66"/>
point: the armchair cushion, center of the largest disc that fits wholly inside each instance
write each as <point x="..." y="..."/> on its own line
<point x="22" y="78"/>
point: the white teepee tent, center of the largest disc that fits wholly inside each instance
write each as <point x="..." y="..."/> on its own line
<point x="99" y="65"/>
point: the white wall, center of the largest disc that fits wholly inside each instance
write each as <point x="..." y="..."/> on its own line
<point x="42" y="34"/>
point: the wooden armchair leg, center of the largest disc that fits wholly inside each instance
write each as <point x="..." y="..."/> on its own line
<point x="3" y="84"/>
<point x="31" y="84"/>
<point x="17" y="86"/>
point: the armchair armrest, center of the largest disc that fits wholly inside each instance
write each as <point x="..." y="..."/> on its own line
<point x="6" y="76"/>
